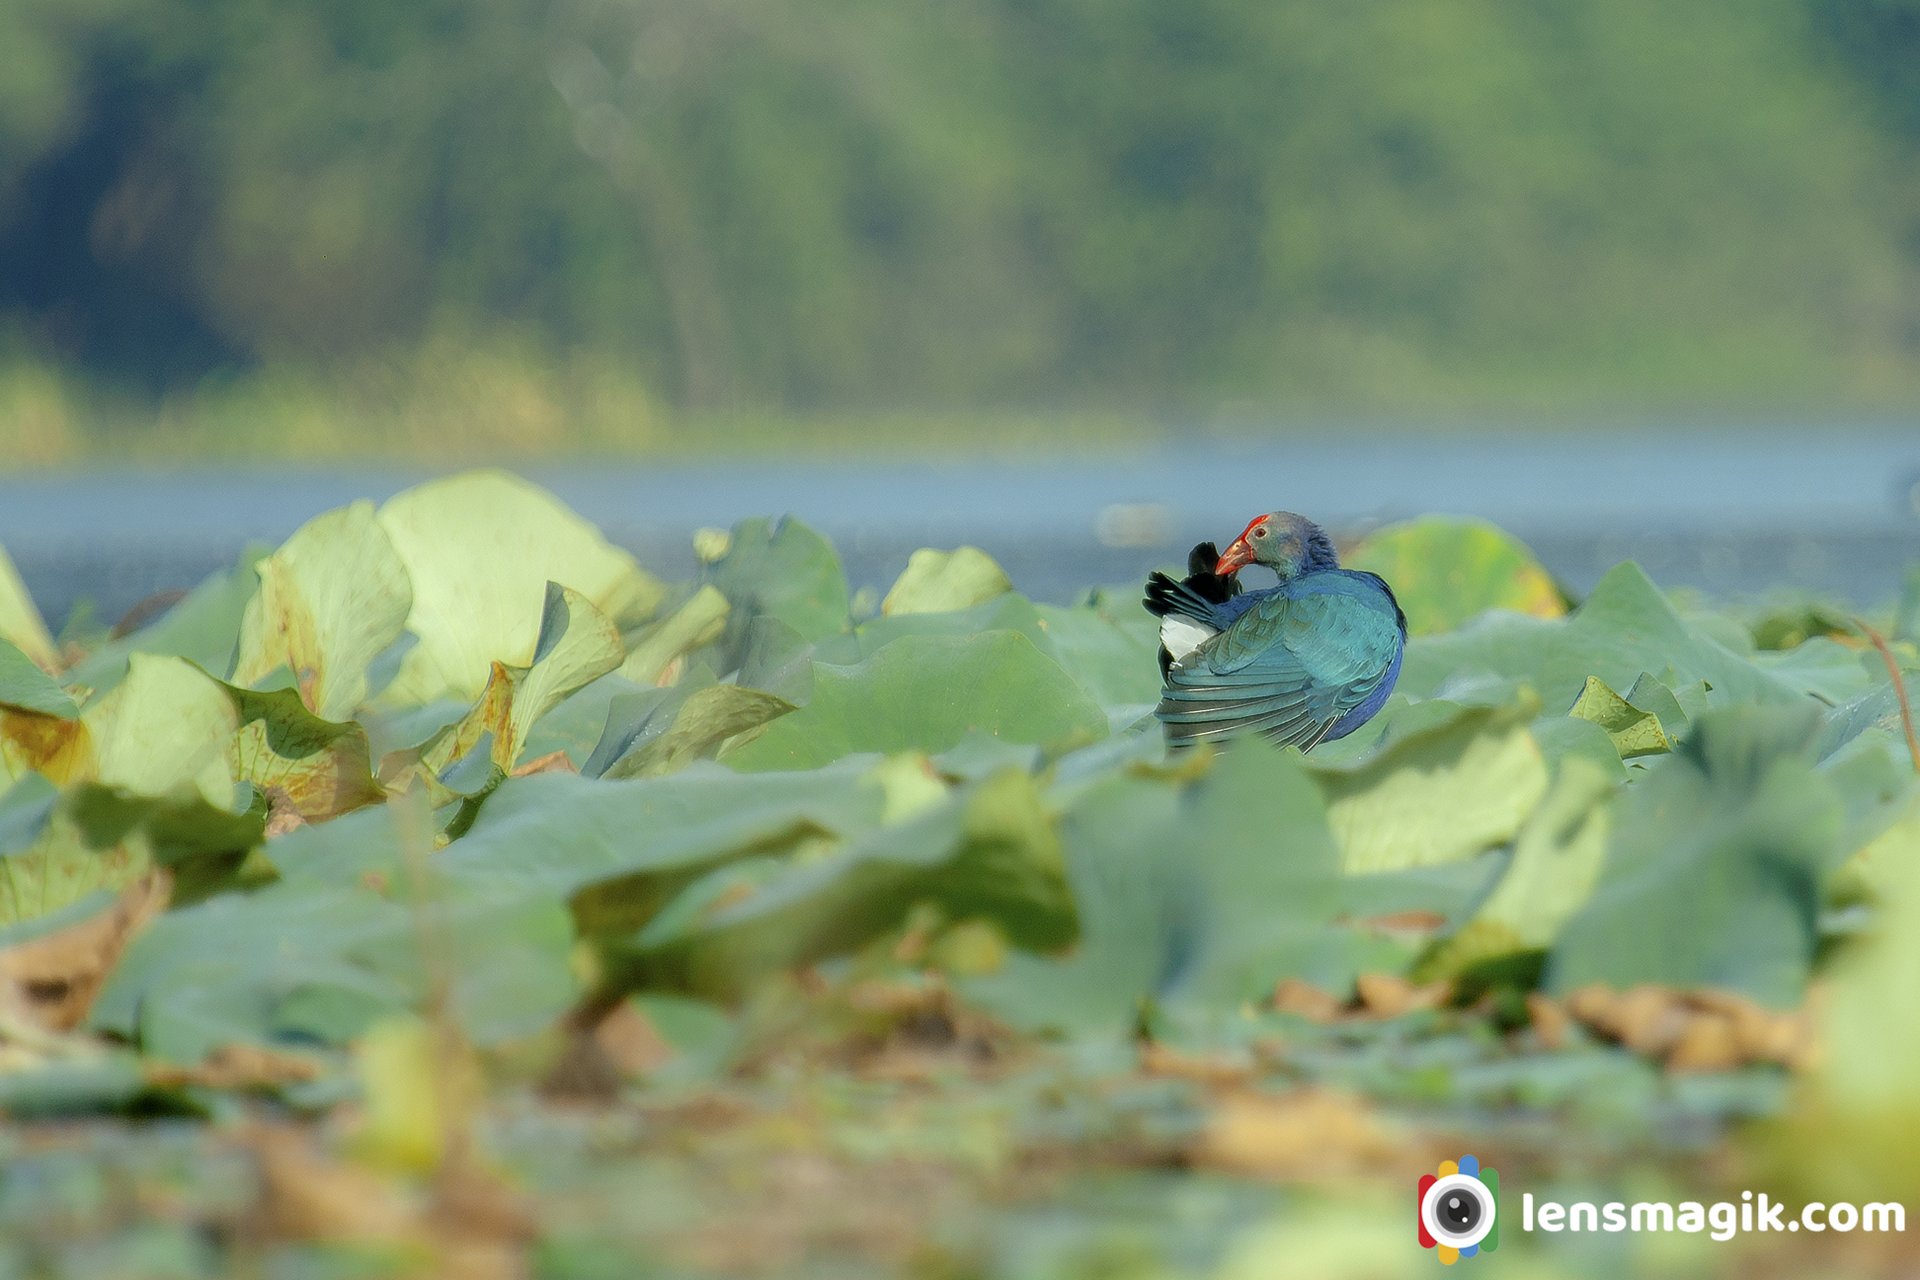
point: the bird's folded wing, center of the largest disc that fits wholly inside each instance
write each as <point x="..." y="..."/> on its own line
<point x="1288" y="668"/>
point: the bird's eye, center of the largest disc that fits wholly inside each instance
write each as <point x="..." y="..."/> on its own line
<point x="1260" y="532"/>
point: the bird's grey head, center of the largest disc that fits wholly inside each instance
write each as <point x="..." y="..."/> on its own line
<point x="1286" y="543"/>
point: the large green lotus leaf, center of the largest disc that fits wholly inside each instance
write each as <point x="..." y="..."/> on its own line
<point x="1633" y="730"/>
<point x="1445" y="571"/>
<point x="391" y="729"/>
<point x="340" y="942"/>
<point x="298" y="761"/>
<point x="1874" y="777"/>
<point x="1649" y="694"/>
<point x="506" y="960"/>
<point x="333" y="598"/>
<point x="1114" y="659"/>
<point x="700" y="621"/>
<point x="1624" y="628"/>
<point x="576" y="646"/>
<point x="480" y="549"/>
<point x="778" y="660"/>
<point x="1555" y="863"/>
<point x="1878" y="707"/>
<point x="1461" y="780"/>
<point x="942" y="581"/>
<point x="988" y="852"/>
<point x="203" y="628"/>
<point x="20" y="622"/>
<point x="300" y="963"/>
<point x="554" y="834"/>
<point x="166" y="726"/>
<point x="1713" y="872"/>
<point x="1563" y="736"/>
<point x="696" y="727"/>
<point x="24" y="686"/>
<point x="781" y="570"/>
<point x="578" y="723"/>
<point x="1200" y="895"/>
<point x="1005" y="612"/>
<point x="634" y="719"/>
<point x="926" y="693"/>
<point x="1832" y="671"/>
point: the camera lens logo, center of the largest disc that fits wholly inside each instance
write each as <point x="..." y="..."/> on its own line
<point x="1460" y="1209"/>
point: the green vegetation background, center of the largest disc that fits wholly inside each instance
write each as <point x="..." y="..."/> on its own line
<point x="505" y="226"/>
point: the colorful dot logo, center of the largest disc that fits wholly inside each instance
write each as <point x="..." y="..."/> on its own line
<point x="1460" y="1209"/>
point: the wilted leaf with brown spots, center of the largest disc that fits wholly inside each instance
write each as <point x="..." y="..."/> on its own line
<point x="331" y="600"/>
<point x="577" y="644"/>
<point x="55" y="746"/>
<point x="316" y="768"/>
<point x="53" y="978"/>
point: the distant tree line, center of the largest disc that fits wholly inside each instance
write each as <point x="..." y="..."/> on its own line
<point x="823" y="204"/>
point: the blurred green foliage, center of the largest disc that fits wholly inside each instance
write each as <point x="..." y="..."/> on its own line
<point x="569" y="221"/>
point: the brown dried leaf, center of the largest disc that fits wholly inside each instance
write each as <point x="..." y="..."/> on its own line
<point x="53" y="979"/>
<point x="1694" y="1030"/>
<point x="468" y="1225"/>
<point x="1308" y="1001"/>
<point x="475" y="1209"/>
<point x="1551" y="1024"/>
<point x="282" y="815"/>
<point x="620" y="1045"/>
<point x="1216" y="1070"/>
<point x="1385" y="995"/>
<point x="1307" y="1134"/>
<point x="1377" y="996"/>
<point x="236" y="1066"/>
<point x="307" y="1196"/>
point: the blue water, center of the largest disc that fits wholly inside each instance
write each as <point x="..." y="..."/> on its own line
<point x="1835" y="512"/>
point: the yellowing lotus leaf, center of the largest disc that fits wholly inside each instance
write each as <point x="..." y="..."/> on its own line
<point x="480" y="549"/>
<point x="331" y="600"/>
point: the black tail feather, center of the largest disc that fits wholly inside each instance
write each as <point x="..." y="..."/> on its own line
<point x="1193" y="596"/>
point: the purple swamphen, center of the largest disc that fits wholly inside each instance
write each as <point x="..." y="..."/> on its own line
<point x="1303" y="662"/>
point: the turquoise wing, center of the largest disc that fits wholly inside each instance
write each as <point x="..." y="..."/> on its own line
<point x="1289" y="668"/>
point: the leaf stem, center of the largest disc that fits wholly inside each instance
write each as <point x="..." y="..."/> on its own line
<point x="1879" y="642"/>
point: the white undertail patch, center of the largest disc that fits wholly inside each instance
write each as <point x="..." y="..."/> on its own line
<point x="1181" y="635"/>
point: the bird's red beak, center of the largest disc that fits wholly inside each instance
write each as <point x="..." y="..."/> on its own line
<point x="1237" y="556"/>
